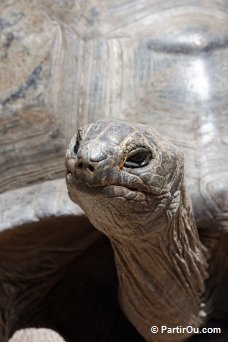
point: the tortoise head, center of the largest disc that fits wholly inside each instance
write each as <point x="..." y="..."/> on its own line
<point x="123" y="175"/>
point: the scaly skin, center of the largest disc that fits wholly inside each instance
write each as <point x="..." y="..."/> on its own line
<point x="130" y="183"/>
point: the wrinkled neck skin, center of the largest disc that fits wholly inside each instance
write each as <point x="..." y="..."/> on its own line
<point x="162" y="275"/>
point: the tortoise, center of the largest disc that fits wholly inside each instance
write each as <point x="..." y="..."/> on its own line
<point x="130" y="183"/>
<point x="65" y="64"/>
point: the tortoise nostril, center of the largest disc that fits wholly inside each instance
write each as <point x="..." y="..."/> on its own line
<point x="91" y="168"/>
<point x="84" y="166"/>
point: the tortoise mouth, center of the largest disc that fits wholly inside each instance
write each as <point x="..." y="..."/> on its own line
<point x="115" y="190"/>
<point x="109" y="190"/>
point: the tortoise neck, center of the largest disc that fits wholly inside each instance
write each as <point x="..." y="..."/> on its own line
<point x="162" y="278"/>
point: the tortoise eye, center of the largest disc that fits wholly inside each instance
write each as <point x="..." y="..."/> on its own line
<point x="76" y="147"/>
<point x="138" y="158"/>
<point x="77" y="143"/>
